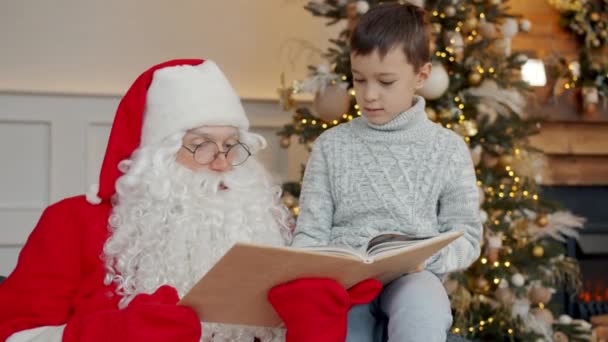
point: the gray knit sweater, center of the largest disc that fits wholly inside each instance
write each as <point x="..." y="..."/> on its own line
<point x="409" y="175"/>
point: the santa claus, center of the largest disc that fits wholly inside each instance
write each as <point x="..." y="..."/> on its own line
<point x="178" y="186"/>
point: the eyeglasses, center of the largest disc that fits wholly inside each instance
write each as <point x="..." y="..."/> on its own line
<point x="208" y="151"/>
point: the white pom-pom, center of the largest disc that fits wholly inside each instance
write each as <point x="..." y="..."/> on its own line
<point x="362" y="7"/>
<point x="564" y="319"/>
<point x="91" y="194"/>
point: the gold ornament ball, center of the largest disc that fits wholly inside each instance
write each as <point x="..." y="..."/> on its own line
<point x="539" y="294"/>
<point x="437" y="28"/>
<point x="489" y="160"/>
<point x="505" y="296"/>
<point x="285" y="142"/>
<point x="470" y="24"/>
<point x="595" y="16"/>
<point x="482" y="285"/>
<point x="487" y="29"/>
<point x="506" y="160"/>
<point x="538" y="251"/>
<point x="431" y="113"/>
<point x="446" y="114"/>
<point x="559" y="336"/>
<point x="332" y="103"/>
<point x="289" y="200"/>
<point x="475" y="78"/>
<point x="450" y="286"/>
<point x="450" y="11"/>
<point x="542" y="220"/>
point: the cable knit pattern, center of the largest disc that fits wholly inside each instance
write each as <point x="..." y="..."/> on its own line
<point x="409" y="175"/>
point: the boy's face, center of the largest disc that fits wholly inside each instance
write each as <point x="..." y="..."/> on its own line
<point x="385" y="86"/>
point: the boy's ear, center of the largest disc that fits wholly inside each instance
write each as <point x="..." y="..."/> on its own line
<point x="423" y="74"/>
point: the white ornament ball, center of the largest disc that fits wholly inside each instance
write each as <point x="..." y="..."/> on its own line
<point x="419" y="3"/>
<point x="517" y="279"/>
<point x="503" y="284"/>
<point x="525" y="25"/>
<point x="509" y="28"/>
<point x="437" y="83"/>
<point x="564" y="319"/>
<point x="332" y="103"/>
<point x="483" y="215"/>
<point x="362" y="6"/>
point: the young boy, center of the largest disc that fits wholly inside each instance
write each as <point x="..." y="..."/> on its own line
<point x="393" y="170"/>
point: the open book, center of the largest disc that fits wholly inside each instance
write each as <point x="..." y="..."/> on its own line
<point x="235" y="289"/>
<point x="376" y="247"/>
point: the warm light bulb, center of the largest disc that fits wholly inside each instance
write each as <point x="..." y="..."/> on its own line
<point x="533" y="72"/>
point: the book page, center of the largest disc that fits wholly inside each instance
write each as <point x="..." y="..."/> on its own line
<point x="391" y="241"/>
<point x="336" y="250"/>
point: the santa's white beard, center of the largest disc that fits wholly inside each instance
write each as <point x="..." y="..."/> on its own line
<point x="171" y="225"/>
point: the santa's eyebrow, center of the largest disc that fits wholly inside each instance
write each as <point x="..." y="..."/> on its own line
<point x="211" y="137"/>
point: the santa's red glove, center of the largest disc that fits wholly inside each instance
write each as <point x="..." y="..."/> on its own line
<point x="316" y="310"/>
<point x="154" y="317"/>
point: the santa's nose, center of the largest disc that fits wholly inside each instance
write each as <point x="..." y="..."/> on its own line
<point x="220" y="164"/>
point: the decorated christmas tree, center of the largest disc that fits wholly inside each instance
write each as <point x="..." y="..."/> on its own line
<point x="475" y="89"/>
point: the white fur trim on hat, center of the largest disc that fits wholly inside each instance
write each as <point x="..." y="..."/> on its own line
<point x="185" y="97"/>
<point x="91" y="194"/>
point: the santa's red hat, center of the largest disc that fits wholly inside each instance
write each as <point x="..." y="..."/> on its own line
<point x="167" y="98"/>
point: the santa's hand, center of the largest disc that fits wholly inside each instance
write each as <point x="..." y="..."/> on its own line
<point x="317" y="309"/>
<point x="149" y="317"/>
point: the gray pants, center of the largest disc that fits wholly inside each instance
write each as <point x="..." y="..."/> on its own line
<point x="412" y="308"/>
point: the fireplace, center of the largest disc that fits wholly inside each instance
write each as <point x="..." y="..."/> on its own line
<point x="591" y="250"/>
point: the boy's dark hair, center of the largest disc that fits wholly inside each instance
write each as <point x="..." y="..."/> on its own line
<point x="389" y="25"/>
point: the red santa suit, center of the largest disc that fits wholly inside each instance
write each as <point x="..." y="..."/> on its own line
<point x="59" y="278"/>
